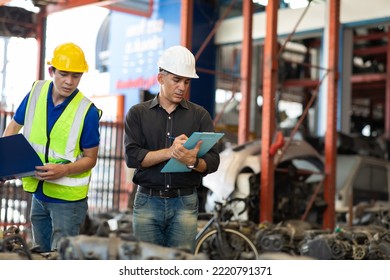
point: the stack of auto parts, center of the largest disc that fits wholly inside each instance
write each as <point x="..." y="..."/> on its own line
<point x="109" y="236"/>
<point x="282" y="237"/>
<point x="103" y="238"/>
<point x="14" y="246"/>
<point x="326" y="246"/>
<point x="114" y="247"/>
<point x="356" y="243"/>
<point x="297" y="239"/>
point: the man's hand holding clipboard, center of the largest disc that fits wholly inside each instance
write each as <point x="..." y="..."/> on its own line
<point x="199" y="142"/>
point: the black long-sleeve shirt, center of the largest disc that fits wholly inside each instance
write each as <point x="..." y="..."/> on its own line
<point x="147" y="127"/>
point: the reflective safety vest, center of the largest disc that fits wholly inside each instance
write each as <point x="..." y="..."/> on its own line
<point x="61" y="146"/>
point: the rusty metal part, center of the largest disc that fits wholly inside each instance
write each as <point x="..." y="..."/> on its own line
<point x="84" y="247"/>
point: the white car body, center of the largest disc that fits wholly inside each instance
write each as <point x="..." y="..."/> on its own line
<point x="240" y="162"/>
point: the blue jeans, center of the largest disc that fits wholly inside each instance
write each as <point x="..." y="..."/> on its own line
<point x="52" y="221"/>
<point x="168" y="222"/>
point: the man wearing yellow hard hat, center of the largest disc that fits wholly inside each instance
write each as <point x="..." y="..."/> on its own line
<point x="63" y="127"/>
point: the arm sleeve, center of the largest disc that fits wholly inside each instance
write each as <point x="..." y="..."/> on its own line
<point x="90" y="136"/>
<point x="21" y="110"/>
<point x="134" y="154"/>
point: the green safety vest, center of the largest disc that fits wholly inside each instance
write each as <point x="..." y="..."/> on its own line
<point x="62" y="145"/>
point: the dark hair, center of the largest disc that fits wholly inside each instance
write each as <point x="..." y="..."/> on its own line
<point x="163" y="71"/>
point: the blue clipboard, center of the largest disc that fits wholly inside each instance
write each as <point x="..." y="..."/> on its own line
<point x="209" y="140"/>
<point x="18" y="158"/>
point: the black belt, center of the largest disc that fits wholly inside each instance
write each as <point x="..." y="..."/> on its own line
<point x="166" y="193"/>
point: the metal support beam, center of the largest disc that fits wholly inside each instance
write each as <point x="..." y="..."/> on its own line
<point x="270" y="76"/>
<point x="187" y="11"/>
<point x="41" y="43"/>
<point x="116" y="5"/>
<point x="387" y="93"/>
<point x="331" y="126"/>
<point x="246" y="73"/>
<point x="346" y="86"/>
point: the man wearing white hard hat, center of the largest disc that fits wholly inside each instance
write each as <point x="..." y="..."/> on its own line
<point x="165" y="208"/>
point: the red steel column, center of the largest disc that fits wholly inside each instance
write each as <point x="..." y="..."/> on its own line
<point x="270" y="75"/>
<point x="246" y="73"/>
<point x="187" y="10"/>
<point x="331" y="135"/>
<point x="41" y="43"/>
<point x="186" y="13"/>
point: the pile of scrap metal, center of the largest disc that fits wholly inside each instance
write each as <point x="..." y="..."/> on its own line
<point x="282" y="238"/>
<point x="13" y="245"/>
<point x="115" y="247"/>
<point x="296" y="239"/>
<point x="102" y="239"/>
<point x="355" y="243"/>
<point x="108" y="236"/>
<point x="103" y="224"/>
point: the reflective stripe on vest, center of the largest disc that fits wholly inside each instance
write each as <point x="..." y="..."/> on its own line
<point x="66" y="133"/>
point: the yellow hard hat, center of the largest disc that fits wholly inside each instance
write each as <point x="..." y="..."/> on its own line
<point x="69" y="57"/>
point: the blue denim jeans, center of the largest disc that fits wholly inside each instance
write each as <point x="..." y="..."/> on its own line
<point x="168" y="222"/>
<point x="52" y="221"/>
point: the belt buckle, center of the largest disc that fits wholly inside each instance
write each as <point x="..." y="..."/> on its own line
<point x="164" y="193"/>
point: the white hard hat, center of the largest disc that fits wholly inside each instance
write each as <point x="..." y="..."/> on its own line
<point x="178" y="60"/>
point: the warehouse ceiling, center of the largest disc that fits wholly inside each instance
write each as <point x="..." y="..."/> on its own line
<point x="16" y="22"/>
